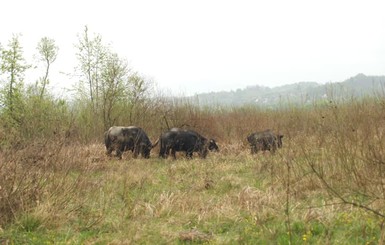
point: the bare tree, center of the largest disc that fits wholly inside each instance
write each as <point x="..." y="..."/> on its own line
<point x="107" y="82"/>
<point x="113" y="90"/>
<point x="137" y="91"/>
<point x="92" y="55"/>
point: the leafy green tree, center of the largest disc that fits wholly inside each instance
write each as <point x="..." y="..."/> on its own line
<point x="47" y="53"/>
<point x="13" y="67"/>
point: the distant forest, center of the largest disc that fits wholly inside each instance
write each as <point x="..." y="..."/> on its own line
<point x="302" y="93"/>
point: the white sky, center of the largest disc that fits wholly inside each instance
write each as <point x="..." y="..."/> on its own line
<point x="189" y="47"/>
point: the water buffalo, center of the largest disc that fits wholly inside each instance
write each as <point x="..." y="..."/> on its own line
<point x="264" y="141"/>
<point x="123" y="139"/>
<point x="188" y="141"/>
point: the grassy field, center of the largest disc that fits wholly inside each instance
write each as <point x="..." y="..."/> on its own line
<point x="325" y="186"/>
<point x="225" y="199"/>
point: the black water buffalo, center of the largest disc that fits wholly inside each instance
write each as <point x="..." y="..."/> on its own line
<point x="264" y="141"/>
<point x="188" y="141"/>
<point x="123" y="139"/>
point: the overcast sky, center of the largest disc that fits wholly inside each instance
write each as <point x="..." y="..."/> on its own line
<point x="189" y="47"/>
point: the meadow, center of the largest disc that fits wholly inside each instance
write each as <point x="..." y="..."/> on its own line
<point x="325" y="185"/>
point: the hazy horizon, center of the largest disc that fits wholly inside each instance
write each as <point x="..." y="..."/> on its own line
<point x="208" y="46"/>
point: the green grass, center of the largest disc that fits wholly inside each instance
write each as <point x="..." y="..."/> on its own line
<point x="236" y="199"/>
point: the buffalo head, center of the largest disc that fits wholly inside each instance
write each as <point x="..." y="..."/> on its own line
<point x="213" y="145"/>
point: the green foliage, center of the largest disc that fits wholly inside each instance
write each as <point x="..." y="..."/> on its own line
<point x="40" y="119"/>
<point x="46" y="117"/>
<point x="12" y="67"/>
<point x="48" y="51"/>
<point x="29" y="223"/>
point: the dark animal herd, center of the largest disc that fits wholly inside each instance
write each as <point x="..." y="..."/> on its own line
<point x="135" y="139"/>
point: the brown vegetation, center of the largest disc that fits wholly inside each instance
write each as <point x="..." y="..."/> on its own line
<point x="330" y="170"/>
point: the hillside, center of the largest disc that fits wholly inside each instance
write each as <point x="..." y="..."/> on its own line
<point x="301" y="93"/>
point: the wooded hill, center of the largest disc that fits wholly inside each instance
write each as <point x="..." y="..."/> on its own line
<point x="302" y="93"/>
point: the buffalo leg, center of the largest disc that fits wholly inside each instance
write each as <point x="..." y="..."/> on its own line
<point x="136" y="151"/>
<point x="109" y="151"/>
<point x="164" y="152"/>
<point x="119" y="153"/>
<point x="168" y="149"/>
<point x="273" y="148"/>
<point x="189" y="154"/>
<point x="173" y="153"/>
<point x="253" y="149"/>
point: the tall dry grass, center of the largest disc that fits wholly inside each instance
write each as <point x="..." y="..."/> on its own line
<point x="45" y="175"/>
<point x="328" y="174"/>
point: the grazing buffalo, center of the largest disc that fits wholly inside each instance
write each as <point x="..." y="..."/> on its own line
<point x="264" y="141"/>
<point x="123" y="139"/>
<point x="185" y="140"/>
